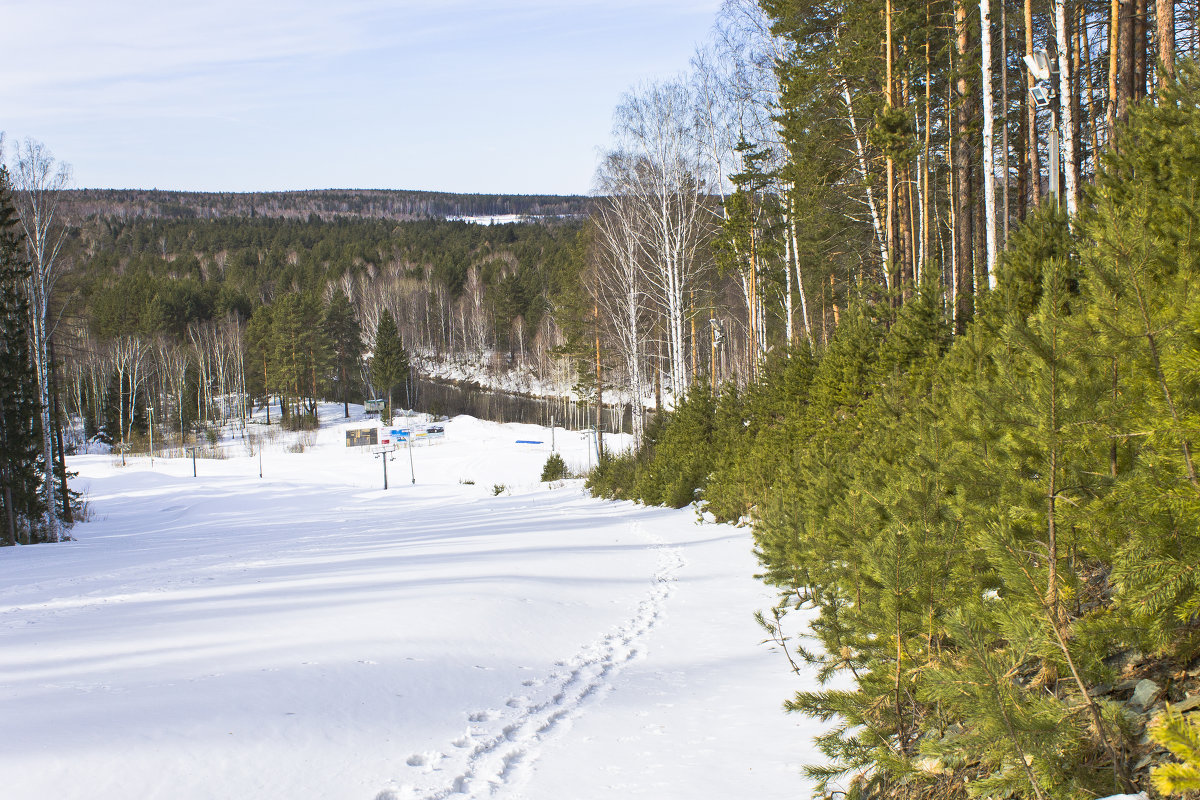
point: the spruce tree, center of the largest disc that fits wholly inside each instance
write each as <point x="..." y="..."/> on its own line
<point x="20" y="437"/>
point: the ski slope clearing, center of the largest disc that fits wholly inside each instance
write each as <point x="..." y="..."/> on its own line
<point x="309" y="635"/>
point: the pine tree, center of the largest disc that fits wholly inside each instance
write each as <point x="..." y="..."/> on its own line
<point x="260" y="354"/>
<point x="344" y="336"/>
<point x="1143" y="269"/>
<point x="389" y="361"/>
<point x="1181" y="736"/>
<point x="299" y="353"/>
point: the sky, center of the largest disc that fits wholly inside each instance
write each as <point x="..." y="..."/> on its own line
<point x="265" y="95"/>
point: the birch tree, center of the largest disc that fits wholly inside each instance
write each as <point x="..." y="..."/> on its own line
<point x="129" y="357"/>
<point x="989" y="145"/>
<point x="655" y="123"/>
<point x="173" y="363"/>
<point x="1066" y="106"/>
<point x="39" y="179"/>
<point x="618" y="286"/>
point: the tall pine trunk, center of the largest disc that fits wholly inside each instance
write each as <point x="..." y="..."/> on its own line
<point x="1164" y="19"/>
<point x="1124" y="69"/>
<point x="964" y="238"/>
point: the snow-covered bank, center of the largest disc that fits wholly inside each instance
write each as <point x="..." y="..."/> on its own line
<point x="309" y="635"/>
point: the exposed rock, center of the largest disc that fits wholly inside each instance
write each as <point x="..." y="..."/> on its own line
<point x="1186" y="705"/>
<point x="1144" y="694"/>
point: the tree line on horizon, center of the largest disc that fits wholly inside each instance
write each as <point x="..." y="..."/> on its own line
<point x="323" y="204"/>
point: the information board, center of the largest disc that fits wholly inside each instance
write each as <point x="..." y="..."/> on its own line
<point x="362" y="437"/>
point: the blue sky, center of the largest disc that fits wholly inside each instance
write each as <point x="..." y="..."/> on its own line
<point x="229" y="95"/>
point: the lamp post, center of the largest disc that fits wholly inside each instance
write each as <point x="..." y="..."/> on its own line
<point x="1044" y="93"/>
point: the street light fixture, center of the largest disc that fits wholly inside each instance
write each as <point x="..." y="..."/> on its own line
<point x="1038" y="63"/>
<point x="1043" y="69"/>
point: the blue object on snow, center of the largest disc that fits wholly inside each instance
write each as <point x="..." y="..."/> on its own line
<point x="528" y="441"/>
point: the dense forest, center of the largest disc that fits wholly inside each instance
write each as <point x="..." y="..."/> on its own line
<point x="327" y="204"/>
<point x="908" y="288"/>
<point x="254" y="308"/>
<point x="975" y="460"/>
<point x="152" y="326"/>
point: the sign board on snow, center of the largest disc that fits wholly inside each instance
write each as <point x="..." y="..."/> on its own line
<point x="383" y="448"/>
<point x="361" y="437"/>
<point x="373" y="406"/>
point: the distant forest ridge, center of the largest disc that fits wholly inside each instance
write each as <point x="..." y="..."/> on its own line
<point x="326" y="204"/>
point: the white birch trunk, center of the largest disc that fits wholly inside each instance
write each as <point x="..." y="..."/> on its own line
<point x="1067" y="136"/>
<point x="989" y="156"/>
<point x="39" y="178"/>
<point x="880" y="239"/>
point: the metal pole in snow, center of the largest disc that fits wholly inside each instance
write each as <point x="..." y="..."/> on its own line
<point x="383" y="458"/>
<point x="411" y="430"/>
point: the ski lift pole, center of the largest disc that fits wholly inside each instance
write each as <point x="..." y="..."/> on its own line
<point x="411" y="471"/>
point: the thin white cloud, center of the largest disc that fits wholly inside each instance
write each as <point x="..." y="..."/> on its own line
<point x="122" y="88"/>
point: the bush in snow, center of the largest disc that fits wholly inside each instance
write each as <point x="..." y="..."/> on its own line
<point x="555" y="469"/>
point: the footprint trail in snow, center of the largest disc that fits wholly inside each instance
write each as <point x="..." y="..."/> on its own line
<point x="499" y="747"/>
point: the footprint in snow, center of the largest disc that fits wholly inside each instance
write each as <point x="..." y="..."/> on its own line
<point x="426" y="761"/>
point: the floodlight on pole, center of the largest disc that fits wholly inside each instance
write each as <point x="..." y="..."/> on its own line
<point x="1041" y="97"/>
<point x="1038" y="63"/>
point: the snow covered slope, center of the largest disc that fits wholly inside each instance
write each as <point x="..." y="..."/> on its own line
<point x="309" y="635"/>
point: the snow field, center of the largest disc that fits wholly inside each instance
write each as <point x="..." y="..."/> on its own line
<point x="309" y="635"/>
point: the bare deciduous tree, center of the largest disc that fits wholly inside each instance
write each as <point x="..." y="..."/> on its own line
<point x="656" y="125"/>
<point x="39" y="179"/>
<point x="618" y="282"/>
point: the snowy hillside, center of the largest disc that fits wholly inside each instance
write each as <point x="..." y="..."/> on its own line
<point x="309" y="635"/>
